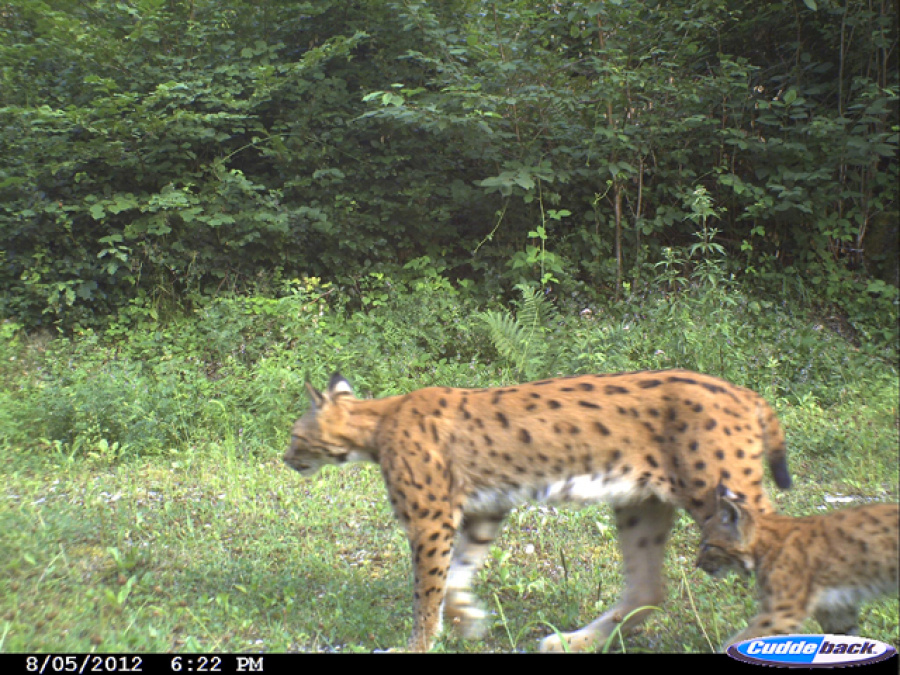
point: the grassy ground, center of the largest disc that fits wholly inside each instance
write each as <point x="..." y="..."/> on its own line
<point x="208" y="543"/>
<point x="213" y="551"/>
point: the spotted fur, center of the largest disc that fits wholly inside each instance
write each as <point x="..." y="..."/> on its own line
<point x="455" y="461"/>
<point x="822" y="566"/>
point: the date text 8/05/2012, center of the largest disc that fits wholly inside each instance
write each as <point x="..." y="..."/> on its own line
<point x="82" y="664"/>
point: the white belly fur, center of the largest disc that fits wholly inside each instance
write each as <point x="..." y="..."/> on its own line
<point x="579" y="489"/>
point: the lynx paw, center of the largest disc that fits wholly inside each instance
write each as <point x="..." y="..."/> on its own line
<point x="577" y="641"/>
<point x="466" y="616"/>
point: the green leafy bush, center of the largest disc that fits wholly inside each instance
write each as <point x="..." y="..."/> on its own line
<point x="154" y="152"/>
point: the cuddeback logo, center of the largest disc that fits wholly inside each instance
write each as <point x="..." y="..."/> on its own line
<point x="811" y="650"/>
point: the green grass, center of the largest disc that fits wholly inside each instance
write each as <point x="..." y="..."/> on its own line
<point x="145" y="507"/>
<point x="203" y="552"/>
<point x="211" y="551"/>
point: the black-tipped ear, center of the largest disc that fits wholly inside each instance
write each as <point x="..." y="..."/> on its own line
<point x="721" y="491"/>
<point x="724" y="494"/>
<point x="315" y="396"/>
<point x="730" y="513"/>
<point x="729" y="507"/>
<point x="339" y="385"/>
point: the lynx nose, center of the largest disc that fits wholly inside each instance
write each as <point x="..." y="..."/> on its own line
<point x="292" y="460"/>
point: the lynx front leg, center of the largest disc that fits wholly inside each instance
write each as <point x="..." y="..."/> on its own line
<point x="461" y="609"/>
<point x="643" y="531"/>
<point x="431" y="552"/>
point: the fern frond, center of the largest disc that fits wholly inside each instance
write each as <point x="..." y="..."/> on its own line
<point x="519" y="339"/>
<point x="530" y="314"/>
<point x="506" y="335"/>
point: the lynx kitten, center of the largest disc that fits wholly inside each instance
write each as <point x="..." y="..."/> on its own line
<point x="824" y="565"/>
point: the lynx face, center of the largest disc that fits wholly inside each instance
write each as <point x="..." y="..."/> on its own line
<point x="719" y="561"/>
<point x="727" y="542"/>
<point x="455" y="461"/>
<point x="316" y="439"/>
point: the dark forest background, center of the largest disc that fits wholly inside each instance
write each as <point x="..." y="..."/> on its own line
<point x="157" y="151"/>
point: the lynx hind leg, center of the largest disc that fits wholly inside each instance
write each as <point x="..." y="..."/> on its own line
<point x="462" y="610"/>
<point x="838" y="619"/>
<point x="643" y="531"/>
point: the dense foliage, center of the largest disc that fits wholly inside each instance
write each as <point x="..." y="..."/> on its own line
<point x="155" y="149"/>
<point x="233" y="370"/>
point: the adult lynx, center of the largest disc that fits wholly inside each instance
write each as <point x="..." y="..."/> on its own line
<point x="455" y="462"/>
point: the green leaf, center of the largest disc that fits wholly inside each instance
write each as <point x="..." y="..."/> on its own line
<point x="524" y="180"/>
<point x="98" y="212"/>
<point x="122" y="202"/>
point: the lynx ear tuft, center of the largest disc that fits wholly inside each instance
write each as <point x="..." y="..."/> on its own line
<point x="723" y="493"/>
<point x="339" y="385"/>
